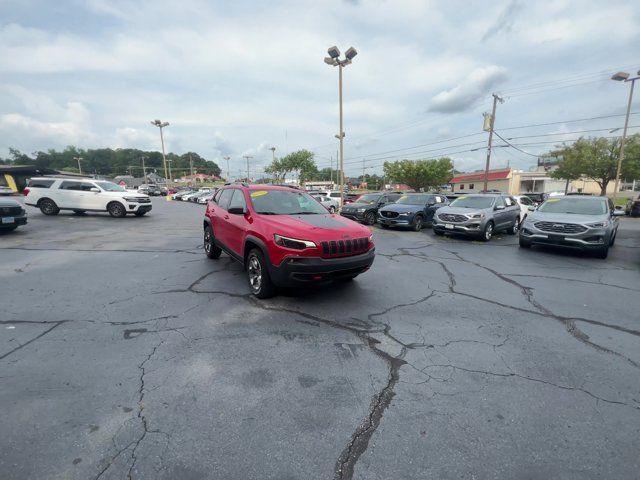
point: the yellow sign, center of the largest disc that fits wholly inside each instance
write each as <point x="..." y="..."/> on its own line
<point x="258" y="193"/>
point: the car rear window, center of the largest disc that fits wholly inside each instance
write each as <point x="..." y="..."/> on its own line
<point x="40" y="183"/>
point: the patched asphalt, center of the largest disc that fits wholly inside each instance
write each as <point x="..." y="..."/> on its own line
<point x="125" y="353"/>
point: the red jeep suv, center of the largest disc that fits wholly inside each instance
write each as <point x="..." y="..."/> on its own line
<point x="284" y="237"/>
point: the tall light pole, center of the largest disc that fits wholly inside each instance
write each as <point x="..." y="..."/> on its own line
<point x="334" y="60"/>
<point x="247" y="157"/>
<point x="273" y="161"/>
<point x="228" y="175"/>
<point x="79" y="166"/>
<point x="491" y="120"/>
<point x="144" y="170"/>
<point x="623" y="77"/>
<point x="160" y="124"/>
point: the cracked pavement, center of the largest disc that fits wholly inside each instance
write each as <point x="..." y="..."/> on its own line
<point x="126" y="354"/>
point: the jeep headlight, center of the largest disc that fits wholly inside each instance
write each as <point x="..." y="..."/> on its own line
<point x="293" y="243"/>
<point x="403" y="214"/>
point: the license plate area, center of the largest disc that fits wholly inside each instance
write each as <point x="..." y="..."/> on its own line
<point x="448" y="226"/>
<point x="8" y="220"/>
<point x="556" y="238"/>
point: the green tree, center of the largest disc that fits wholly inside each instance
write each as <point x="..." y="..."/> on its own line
<point x="420" y="174"/>
<point x="300" y="161"/>
<point x="597" y="159"/>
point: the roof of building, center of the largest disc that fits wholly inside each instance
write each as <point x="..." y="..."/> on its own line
<point x="479" y="176"/>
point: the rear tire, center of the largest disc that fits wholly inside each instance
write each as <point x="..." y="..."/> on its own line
<point x="116" y="209"/>
<point x="210" y="248"/>
<point x="260" y="282"/>
<point x="513" y="229"/>
<point x="48" y="207"/>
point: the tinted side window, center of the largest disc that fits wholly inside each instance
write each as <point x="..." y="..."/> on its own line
<point x="509" y="201"/>
<point x="40" y="183"/>
<point x="225" y="197"/>
<point x="70" y="185"/>
<point x="393" y="197"/>
<point x="238" y="201"/>
<point x="86" y="187"/>
<point x="216" y="197"/>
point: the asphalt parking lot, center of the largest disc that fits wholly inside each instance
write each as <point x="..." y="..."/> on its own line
<point x="125" y="353"/>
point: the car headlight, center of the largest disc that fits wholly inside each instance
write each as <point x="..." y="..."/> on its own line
<point x="599" y="224"/>
<point x="293" y="243"/>
<point x="360" y="210"/>
<point x="477" y="215"/>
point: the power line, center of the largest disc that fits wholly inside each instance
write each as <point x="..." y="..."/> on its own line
<point x="510" y="144"/>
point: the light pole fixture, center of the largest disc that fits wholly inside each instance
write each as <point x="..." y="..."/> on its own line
<point x="334" y="60"/>
<point x="623" y="77"/>
<point x="160" y="124"/>
<point x="247" y="158"/>
<point x="228" y="176"/>
<point x="78" y="159"/>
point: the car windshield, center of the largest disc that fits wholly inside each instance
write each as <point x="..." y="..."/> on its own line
<point x="285" y="202"/>
<point x="473" y="202"/>
<point x="413" y="199"/>
<point x="577" y="206"/>
<point x="369" y="199"/>
<point x="110" y="187"/>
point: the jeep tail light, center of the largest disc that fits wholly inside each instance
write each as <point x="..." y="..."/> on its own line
<point x="25" y="192"/>
<point x="292" y="243"/>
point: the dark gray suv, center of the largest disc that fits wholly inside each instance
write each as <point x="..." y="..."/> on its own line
<point x="478" y="216"/>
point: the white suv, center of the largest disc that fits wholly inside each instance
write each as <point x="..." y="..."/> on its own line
<point x="51" y="195"/>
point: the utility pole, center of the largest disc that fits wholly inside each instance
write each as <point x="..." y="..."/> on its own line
<point x="492" y="119"/>
<point x="228" y="174"/>
<point x="623" y="76"/>
<point x="144" y="170"/>
<point x="273" y="161"/>
<point x="363" y="168"/>
<point x="191" y="165"/>
<point x="247" y="157"/>
<point x="331" y="169"/>
<point x="160" y="124"/>
<point x="169" y="163"/>
<point x="79" y="166"/>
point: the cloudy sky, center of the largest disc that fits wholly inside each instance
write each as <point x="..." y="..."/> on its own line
<point x="235" y="78"/>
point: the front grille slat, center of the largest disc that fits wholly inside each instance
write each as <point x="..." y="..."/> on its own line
<point x="556" y="227"/>
<point x="452" y="217"/>
<point x="387" y="214"/>
<point x="354" y="246"/>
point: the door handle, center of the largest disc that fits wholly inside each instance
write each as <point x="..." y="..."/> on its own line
<point x="226" y="217"/>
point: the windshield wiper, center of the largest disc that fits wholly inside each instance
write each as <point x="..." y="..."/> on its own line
<point x="304" y="213"/>
<point x="268" y="213"/>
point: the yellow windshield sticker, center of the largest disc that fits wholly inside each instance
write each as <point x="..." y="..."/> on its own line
<point x="258" y="193"/>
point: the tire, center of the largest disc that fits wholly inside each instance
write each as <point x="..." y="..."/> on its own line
<point x="370" y="218"/>
<point x="513" y="229"/>
<point x="48" y="207"/>
<point x="140" y="214"/>
<point x="487" y="233"/>
<point x="79" y="212"/>
<point x="438" y="233"/>
<point x="332" y="209"/>
<point x="258" y="276"/>
<point x="116" y="209"/>
<point x="524" y="243"/>
<point x="613" y="238"/>
<point x="602" y="253"/>
<point x="417" y="223"/>
<point x="210" y="248"/>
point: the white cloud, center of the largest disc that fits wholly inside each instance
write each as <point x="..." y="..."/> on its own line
<point x="463" y="96"/>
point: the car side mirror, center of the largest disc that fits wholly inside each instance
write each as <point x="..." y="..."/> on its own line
<point x="531" y="208"/>
<point x="499" y="207"/>
<point x="430" y="203"/>
<point x="236" y="211"/>
<point x="617" y="213"/>
<point x="94" y="189"/>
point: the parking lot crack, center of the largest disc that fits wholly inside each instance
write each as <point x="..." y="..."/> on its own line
<point x="53" y="326"/>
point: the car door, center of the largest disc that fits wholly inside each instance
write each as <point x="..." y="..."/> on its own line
<point x="501" y="215"/>
<point x="220" y="219"/>
<point x="237" y="222"/>
<point x="69" y="195"/>
<point x="430" y="208"/>
<point x="92" y="200"/>
<point x="513" y="209"/>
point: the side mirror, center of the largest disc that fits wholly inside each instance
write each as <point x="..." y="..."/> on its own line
<point x="531" y="208"/>
<point x="94" y="189"/>
<point x="499" y="207"/>
<point x="236" y="211"/>
<point x="617" y="213"/>
<point x="430" y="203"/>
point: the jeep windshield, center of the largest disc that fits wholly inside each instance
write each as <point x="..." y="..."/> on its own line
<point x="473" y="202"/>
<point x="413" y="199"/>
<point x="110" y="187"/>
<point x="368" y="199"/>
<point x="285" y="202"/>
<point x="577" y="206"/>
